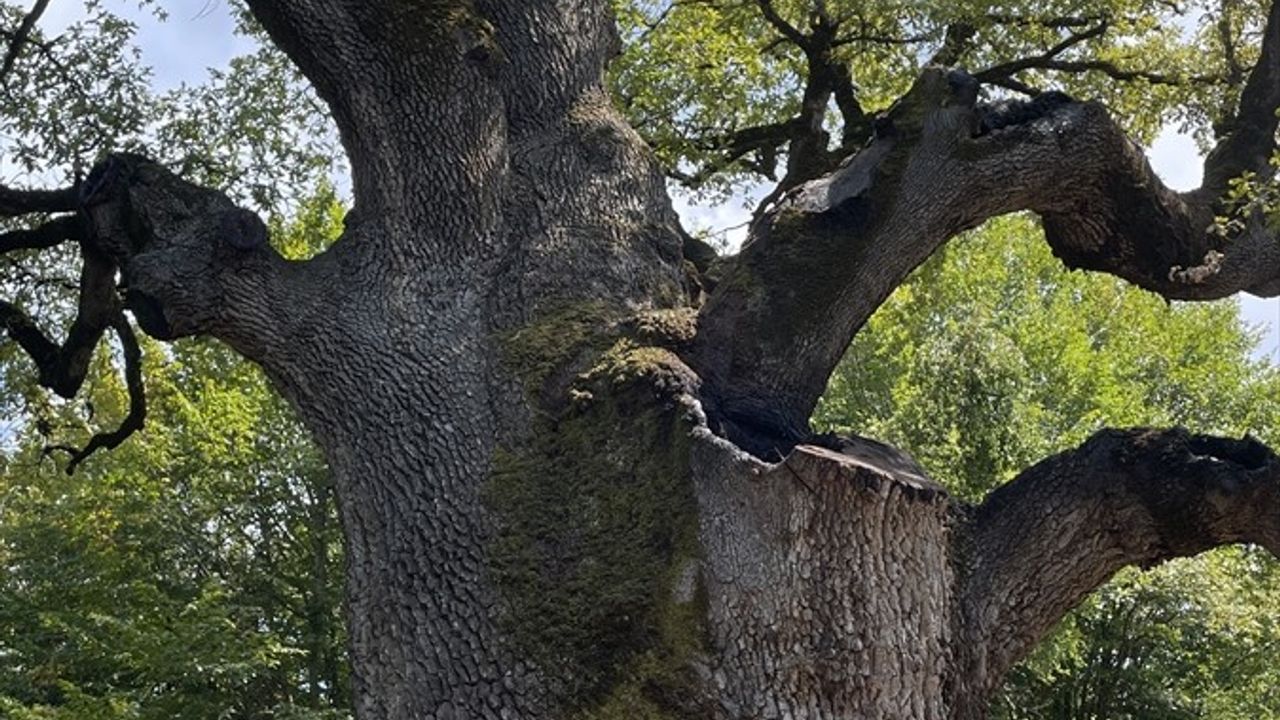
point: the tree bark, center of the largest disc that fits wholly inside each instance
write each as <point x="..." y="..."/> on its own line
<point x="568" y="492"/>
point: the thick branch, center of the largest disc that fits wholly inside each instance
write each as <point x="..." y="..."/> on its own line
<point x="1038" y="545"/>
<point x="1003" y="73"/>
<point x="840" y="243"/>
<point x="190" y="261"/>
<point x="1038" y="61"/>
<point x="15" y="202"/>
<point x="1252" y="136"/>
<point x="808" y="153"/>
<point x="62" y="368"/>
<point x="411" y="89"/>
<point x="786" y="29"/>
<point x="50" y="234"/>
<point x="817" y="266"/>
<point x="186" y="260"/>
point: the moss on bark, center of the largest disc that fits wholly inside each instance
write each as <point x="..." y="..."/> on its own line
<point x="596" y="550"/>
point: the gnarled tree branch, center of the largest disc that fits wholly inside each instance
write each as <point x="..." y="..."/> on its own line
<point x="817" y="265"/>
<point x="1039" y="544"/>
<point x="182" y="258"/>
<point x="137" y="415"/>
<point x="63" y="367"/>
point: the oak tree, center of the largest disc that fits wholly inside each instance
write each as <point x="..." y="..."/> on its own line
<point x="571" y="445"/>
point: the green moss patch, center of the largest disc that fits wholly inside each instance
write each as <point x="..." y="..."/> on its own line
<point x="597" y="527"/>
<point x="547" y="353"/>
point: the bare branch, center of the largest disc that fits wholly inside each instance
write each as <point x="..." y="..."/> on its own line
<point x="1058" y="22"/>
<point x="23" y="330"/>
<point x="819" y="263"/>
<point x="856" y="124"/>
<point x="136" y="418"/>
<point x="733" y="146"/>
<point x="780" y="24"/>
<point x="14" y="202"/>
<point x="63" y="367"/>
<point x="1100" y="66"/>
<point x="50" y="234"/>
<point x="1017" y="86"/>
<point x="1038" y="61"/>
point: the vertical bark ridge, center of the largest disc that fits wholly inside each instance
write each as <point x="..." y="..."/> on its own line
<point x="828" y="584"/>
<point x="398" y="395"/>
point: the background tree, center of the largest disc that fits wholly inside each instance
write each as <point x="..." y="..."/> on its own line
<point x="194" y="573"/>
<point x="535" y="392"/>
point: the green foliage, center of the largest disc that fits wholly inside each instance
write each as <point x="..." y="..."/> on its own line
<point x="256" y="130"/>
<point x="694" y="74"/>
<point x="992" y="357"/>
<point x="699" y="75"/>
<point x="1195" y="639"/>
<point x="195" y="571"/>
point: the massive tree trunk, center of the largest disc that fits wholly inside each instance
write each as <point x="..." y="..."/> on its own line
<point x="574" y="474"/>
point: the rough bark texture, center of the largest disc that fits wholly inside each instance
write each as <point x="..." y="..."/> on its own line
<point x="567" y="492"/>
<point x="1038" y="545"/>
<point x="828" y="581"/>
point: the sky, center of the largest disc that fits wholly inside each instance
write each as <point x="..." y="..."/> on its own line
<point x="198" y="35"/>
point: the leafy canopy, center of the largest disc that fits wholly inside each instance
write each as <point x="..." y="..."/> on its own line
<point x="722" y="88"/>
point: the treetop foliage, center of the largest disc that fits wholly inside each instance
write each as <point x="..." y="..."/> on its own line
<point x="719" y="87"/>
